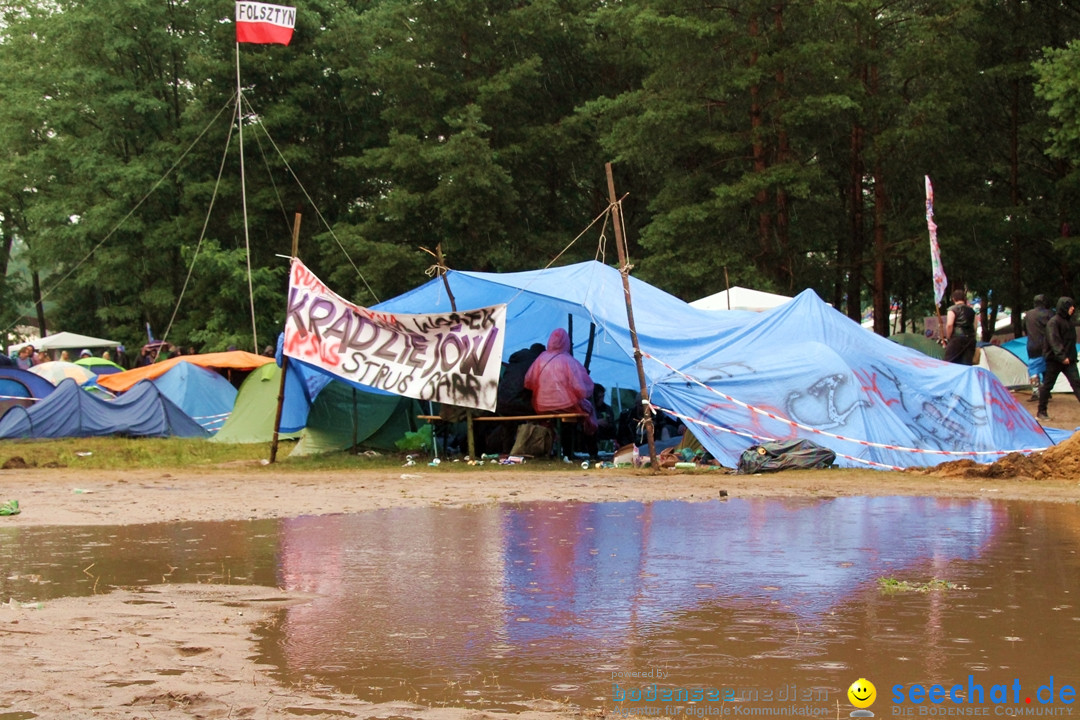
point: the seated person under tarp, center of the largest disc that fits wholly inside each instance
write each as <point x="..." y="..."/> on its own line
<point x="513" y="398"/>
<point x="561" y="384"/>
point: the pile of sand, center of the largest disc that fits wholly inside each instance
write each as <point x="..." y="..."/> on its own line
<point x="1060" y="462"/>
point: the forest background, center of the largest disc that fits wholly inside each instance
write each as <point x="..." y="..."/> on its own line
<point x="781" y="145"/>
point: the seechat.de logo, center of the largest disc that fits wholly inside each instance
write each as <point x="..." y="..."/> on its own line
<point x="862" y="695"/>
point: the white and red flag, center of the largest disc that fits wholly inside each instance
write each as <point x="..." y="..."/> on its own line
<point x="940" y="281"/>
<point x="258" y="22"/>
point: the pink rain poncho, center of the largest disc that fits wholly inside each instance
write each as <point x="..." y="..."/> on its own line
<point x="559" y="382"/>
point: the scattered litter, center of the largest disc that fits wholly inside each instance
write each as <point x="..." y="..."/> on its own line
<point x="434" y="463"/>
<point x="15" y="604"/>
<point x="409" y="476"/>
<point x="81" y="491"/>
<point x="84" y="454"/>
<point x="11" y="507"/>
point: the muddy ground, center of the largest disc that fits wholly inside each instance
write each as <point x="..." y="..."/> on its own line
<point x="182" y="651"/>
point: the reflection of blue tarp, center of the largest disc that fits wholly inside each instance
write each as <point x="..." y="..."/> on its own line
<point x="200" y="392"/>
<point x="802" y="360"/>
<point x="70" y="412"/>
<point x="612" y="564"/>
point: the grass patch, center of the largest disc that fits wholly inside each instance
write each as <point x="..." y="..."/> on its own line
<point x="115" y="453"/>
<point x="892" y="585"/>
<point x="112" y="453"/>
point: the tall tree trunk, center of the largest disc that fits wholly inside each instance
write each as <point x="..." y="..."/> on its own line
<point x="7" y="237"/>
<point x="1015" y="241"/>
<point x="881" y="295"/>
<point x="783" y="156"/>
<point x="858" y="231"/>
<point x="38" y="304"/>
<point x="758" y="150"/>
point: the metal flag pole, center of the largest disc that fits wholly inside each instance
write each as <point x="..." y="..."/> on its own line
<point x="243" y="197"/>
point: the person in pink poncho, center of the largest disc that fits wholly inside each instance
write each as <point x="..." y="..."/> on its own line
<point x="559" y="383"/>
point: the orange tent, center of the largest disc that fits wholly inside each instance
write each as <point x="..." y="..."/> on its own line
<point x="233" y="360"/>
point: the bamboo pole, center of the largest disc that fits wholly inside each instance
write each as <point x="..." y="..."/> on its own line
<point x="624" y="270"/>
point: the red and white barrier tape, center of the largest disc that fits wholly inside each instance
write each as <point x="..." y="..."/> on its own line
<point x="762" y="438"/>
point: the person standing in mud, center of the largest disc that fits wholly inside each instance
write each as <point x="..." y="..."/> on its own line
<point x="1035" y="324"/>
<point x="1060" y="353"/>
<point x="960" y="331"/>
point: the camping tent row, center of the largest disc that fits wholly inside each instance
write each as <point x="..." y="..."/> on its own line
<point x="1007" y="361"/>
<point x="736" y="378"/>
<point x="185" y="400"/>
<point x="184" y="397"/>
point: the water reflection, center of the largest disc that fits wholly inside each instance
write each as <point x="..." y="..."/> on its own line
<point x="496" y="605"/>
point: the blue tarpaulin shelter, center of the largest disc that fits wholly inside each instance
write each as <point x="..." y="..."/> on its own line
<point x="800" y="370"/>
<point x="200" y="392"/>
<point x="69" y="411"/>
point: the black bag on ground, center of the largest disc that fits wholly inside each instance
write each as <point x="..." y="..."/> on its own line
<point x="786" y="455"/>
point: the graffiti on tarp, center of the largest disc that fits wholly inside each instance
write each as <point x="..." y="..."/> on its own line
<point x="451" y="358"/>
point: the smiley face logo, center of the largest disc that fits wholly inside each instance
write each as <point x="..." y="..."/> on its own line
<point x="862" y="693"/>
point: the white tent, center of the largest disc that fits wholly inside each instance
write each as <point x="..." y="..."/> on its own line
<point x="740" y="298"/>
<point x="65" y="341"/>
<point x="1009" y="369"/>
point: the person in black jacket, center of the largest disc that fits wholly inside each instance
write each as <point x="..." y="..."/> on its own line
<point x="1060" y="353"/>
<point x="960" y="331"/>
<point x="1035" y="323"/>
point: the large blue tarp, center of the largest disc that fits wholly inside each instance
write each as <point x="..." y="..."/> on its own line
<point x="800" y="370"/>
<point x="69" y="411"/>
<point x="200" y="392"/>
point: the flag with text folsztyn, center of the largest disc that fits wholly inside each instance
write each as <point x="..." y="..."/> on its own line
<point x="258" y="22"/>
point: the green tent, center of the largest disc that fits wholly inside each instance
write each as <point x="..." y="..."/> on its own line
<point x="341" y="416"/>
<point x="344" y="417"/>
<point x="925" y="345"/>
<point x="252" y="418"/>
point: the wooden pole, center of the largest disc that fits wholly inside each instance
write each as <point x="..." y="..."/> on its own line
<point x="442" y="274"/>
<point x="727" y="288"/>
<point x="284" y="357"/>
<point x="624" y="270"/>
<point x="470" y="435"/>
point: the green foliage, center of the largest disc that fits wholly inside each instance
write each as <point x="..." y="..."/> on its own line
<point x="892" y="586"/>
<point x="785" y="143"/>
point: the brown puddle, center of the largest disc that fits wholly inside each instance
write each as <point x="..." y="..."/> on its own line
<point x="771" y="604"/>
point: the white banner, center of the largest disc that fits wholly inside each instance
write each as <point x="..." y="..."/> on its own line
<point x="452" y="358"/>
